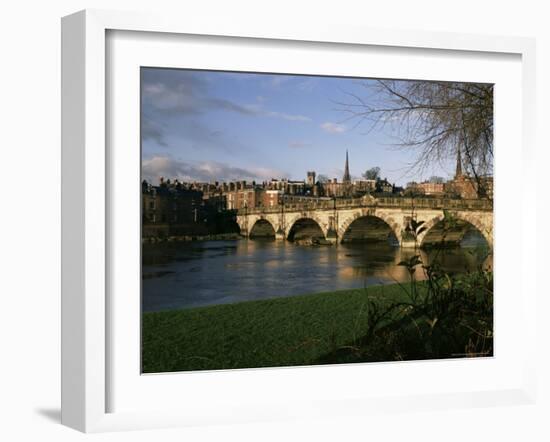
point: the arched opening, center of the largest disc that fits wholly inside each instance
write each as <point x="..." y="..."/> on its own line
<point x="305" y="230"/>
<point x="460" y="234"/>
<point x="262" y="229"/>
<point x="369" y="229"/>
<point x="457" y="248"/>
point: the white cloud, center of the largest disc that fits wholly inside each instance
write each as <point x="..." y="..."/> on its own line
<point x="151" y="130"/>
<point x="207" y="171"/>
<point x="333" y="128"/>
<point x="189" y="96"/>
<point x="180" y="97"/>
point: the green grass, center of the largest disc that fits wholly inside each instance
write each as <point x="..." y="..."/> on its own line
<point x="297" y="330"/>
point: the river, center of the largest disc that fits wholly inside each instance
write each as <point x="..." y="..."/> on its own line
<point x="179" y="275"/>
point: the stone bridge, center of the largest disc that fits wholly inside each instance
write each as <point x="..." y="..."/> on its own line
<point x="369" y="218"/>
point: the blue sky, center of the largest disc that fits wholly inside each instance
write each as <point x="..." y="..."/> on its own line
<point x="208" y="126"/>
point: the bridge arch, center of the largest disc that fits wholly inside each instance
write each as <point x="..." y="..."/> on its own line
<point x="248" y="222"/>
<point x="378" y="220"/>
<point x="305" y="227"/>
<point x="262" y="228"/>
<point x="465" y="222"/>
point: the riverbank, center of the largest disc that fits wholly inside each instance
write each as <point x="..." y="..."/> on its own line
<point x="298" y="330"/>
<point x="227" y="237"/>
<point x="187" y="238"/>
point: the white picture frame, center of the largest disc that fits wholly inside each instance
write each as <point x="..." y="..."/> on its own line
<point x="86" y="317"/>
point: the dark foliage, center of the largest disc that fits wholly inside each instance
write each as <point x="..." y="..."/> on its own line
<point x="447" y="316"/>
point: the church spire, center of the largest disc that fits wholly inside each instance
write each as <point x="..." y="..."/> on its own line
<point x="347" y="177"/>
<point x="458" y="164"/>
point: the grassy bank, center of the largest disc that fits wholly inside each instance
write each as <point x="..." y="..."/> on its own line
<point x="299" y="330"/>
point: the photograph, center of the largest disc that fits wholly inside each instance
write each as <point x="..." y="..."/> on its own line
<point x="301" y="220"/>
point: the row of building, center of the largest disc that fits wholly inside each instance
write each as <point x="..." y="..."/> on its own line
<point x="177" y="202"/>
<point x="195" y="202"/>
<point x="461" y="186"/>
<point x="465" y="187"/>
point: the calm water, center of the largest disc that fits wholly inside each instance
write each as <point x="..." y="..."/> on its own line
<point x="184" y="275"/>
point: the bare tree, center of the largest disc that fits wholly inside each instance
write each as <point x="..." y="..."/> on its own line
<point x="438" y="119"/>
<point x="372" y="174"/>
<point x="322" y="179"/>
<point x="436" y="179"/>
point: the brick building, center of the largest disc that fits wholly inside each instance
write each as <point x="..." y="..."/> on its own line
<point x="170" y="204"/>
<point x="468" y="187"/>
<point x="427" y="188"/>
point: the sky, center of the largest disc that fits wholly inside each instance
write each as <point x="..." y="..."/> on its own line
<point x="220" y="126"/>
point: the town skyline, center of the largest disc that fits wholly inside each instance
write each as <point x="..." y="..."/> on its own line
<point x="345" y="177"/>
<point x="210" y="126"/>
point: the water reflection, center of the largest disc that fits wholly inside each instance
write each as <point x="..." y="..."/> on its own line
<point x="183" y="275"/>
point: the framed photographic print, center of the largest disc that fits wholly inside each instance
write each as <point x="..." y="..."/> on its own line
<point x="271" y="223"/>
<point x="260" y="250"/>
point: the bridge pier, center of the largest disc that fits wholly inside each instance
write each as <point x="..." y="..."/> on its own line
<point x="332" y="236"/>
<point x="408" y="244"/>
